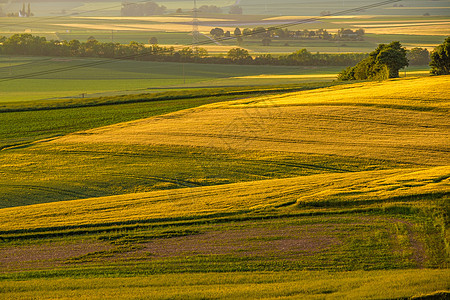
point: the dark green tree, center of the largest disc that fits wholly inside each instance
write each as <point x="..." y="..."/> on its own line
<point x="382" y="63"/>
<point x="236" y="10"/>
<point x="418" y="56"/>
<point x="260" y="32"/>
<point x="440" y="59"/>
<point x="238" y="54"/>
<point x="217" y="32"/>
<point x="209" y="9"/>
<point x="393" y="56"/>
<point x="153" y="40"/>
<point x="247" y="32"/>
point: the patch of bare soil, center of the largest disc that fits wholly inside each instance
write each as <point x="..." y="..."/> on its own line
<point x="252" y="242"/>
<point x="45" y="255"/>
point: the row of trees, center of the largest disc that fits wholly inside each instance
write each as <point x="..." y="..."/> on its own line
<point x="151" y="8"/>
<point x="384" y="62"/>
<point x="27" y="44"/>
<point x="280" y="33"/>
<point x="142" y="9"/>
<point x="209" y="9"/>
<point x="418" y="56"/>
<point x="212" y="9"/>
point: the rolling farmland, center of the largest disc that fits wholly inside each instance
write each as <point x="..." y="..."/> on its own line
<point x="245" y="197"/>
<point x="194" y="175"/>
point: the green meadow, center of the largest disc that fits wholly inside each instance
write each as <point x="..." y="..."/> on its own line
<point x="127" y="77"/>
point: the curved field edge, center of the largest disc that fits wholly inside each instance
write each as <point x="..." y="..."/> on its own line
<point x="380" y="284"/>
<point x="176" y="94"/>
<point x="414" y="93"/>
<point x="26" y="122"/>
<point x="307" y="194"/>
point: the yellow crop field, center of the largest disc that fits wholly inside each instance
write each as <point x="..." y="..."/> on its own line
<point x="431" y="92"/>
<point x="238" y="285"/>
<point x="289" y="76"/>
<point x="326" y="193"/>
<point x="366" y="25"/>
<point x="159" y="19"/>
<point x="232" y="198"/>
<point x="398" y="22"/>
<point x="399" y="120"/>
<point x="292" y="18"/>
<point x="442" y="30"/>
<point x="169" y="27"/>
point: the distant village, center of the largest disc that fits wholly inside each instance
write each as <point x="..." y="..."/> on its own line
<point x="25" y="12"/>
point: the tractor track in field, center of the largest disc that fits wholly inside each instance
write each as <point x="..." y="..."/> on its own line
<point x="299" y="141"/>
<point x="176" y="181"/>
<point x="54" y="190"/>
<point x="267" y="162"/>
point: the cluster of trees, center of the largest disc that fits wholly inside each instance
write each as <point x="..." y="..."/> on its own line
<point x="418" y="56"/>
<point x="27" y="44"/>
<point x="382" y="63"/>
<point x="151" y="8"/>
<point x="235" y="10"/>
<point x="279" y="33"/>
<point x="142" y="9"/>
<point x="386" y="61"/>
<point x="209" y="9"/>
<point x="440" y="59"/>
<point x="212" y="9"/>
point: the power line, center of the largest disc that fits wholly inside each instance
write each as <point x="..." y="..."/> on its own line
<point x="127" y="57"/>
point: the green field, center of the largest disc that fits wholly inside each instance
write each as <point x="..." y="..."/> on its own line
<point x="229" y="195"/>
<point x="125" y="77"/>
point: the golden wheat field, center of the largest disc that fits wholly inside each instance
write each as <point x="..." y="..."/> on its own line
<point x="328" y="193"/>
<point x="375" y="186"/>
<point x="354" y="120"/>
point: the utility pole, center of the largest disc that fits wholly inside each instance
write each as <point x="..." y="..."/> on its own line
<point x="195" y="33"/>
